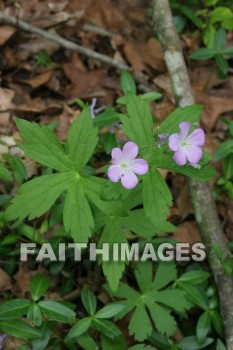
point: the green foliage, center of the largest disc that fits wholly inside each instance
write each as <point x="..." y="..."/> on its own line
<point x="219" y="52"/>
<point x="97" y="320"/>
<point x="39" y="285"/>
<point x="151" y="298"/>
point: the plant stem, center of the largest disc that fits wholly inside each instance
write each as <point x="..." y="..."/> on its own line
<point x="203" y="202"/>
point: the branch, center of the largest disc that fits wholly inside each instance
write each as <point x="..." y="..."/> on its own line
<point x="203" y="202"/>
<point x="4" y="18"/>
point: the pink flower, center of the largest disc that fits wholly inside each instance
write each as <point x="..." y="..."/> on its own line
<point x="187" y="148"/>
<point x="125" y="166"/>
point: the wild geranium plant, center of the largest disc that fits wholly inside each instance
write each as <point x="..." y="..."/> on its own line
<point x="88" y="195"/>
<point x="126" y="199"/>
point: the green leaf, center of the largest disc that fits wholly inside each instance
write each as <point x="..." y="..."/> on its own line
<point x="228" y="51"/>
<point x="79" y="328"/>
<point x="37" y="196"/>
<point x="82" y="139"/>
<point x="164" y="322"/>
<point x="192" y="16"/>
<point x="88" y="300"/>
<point x="186" y="114"/>
<point x="217" y="322"/>
<point x="19" y="329"/>
<point x="38" y="286"/>
<point x="165" y="161"/>
<point x="195" y="295"/>
<point x="195" y="276"/>
<point x="77" y="214"/>
<point x="113" y="270"/>
<point x="14" y="308"/>
<point x="228" y="167"/>
<point x="142" y="347"/>
<point x="156" y="197"/>
<point x="16" y="164"/>
<point x="208" y="37"/>
<point x="140" y="330"/>
<point x="86" y="342"/>
<point x="4" y="173"/>
<point x="127" y="82"/>
<point x="222" y="63"/>
<point x="150" y="96"/>
<point x="203" y="326"/>
<point x="117" y="343"/>
<point x="138" y="223"/>
<point x="43" y="146"/>
<point x="224" y="149"/>
<point x="109" y="310"/>
<point x="203" y="54"/>
<point x="143" y="274"/>
<point x="34" y="314"/>
<point x="165" y="274"/>
<point x="106" y="118"/>
<point x="57" y="312"/>
<point x="220" y="40"/>
<point x="191" y="343"/>
<point x="223" y="15"/>
<point x="220" y="345"/>
<point x="138" y="125"/>
<point x="174" y="298"/>
<point x="106" y="328"/>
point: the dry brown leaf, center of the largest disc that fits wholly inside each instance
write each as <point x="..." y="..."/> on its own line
<point x="187" y="232"/>
<point x="214" y="106"/>
<point x="5" y="281"/>
<point x="22" y="279"/>
<point x="184" y="203"/>
<point x="39" y="79"/>
<point x="67" y="116"/>
<point x="142" y="55"/>
<point x="164" y="83"/>
<point x="84" y="84"/>
<point x="6" y="33"/>
<point x="6" y="97"/>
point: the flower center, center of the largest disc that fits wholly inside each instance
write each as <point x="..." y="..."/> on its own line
<point x="124" y="165"/>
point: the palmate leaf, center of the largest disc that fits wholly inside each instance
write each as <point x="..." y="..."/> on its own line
<point x="151" y="300"/>
<point x="35" y="197"/>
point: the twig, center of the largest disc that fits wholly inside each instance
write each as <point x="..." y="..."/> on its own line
<point x="203" y="202"/>
<point x="94" y="29"/>
<point x="4" y="18"/>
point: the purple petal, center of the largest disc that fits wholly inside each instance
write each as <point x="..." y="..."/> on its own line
<point x="180" y="157"/>
<point x="130" y="150"/>
<point x="129" y="180"/>
<point x="93" y="103"/>
<point x="174" y="141"/>
<point x="114" y="173"/>
<point x="193" y="154"/>
<point x="184" y="129"/>
<point x="197" y="137"/>
<point x="139" y="166"/>
<point x="116" y="155"/>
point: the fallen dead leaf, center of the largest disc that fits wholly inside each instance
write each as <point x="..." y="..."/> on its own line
<point x="184" y="203"/>
<point x="22" y="279"/>
<point x="6" y="33"/>
<point x="143" y="55"/>
<point x="5" y="281"/>
<point x="6" y="97"/>
<point x="187" y="232"/>
<point x="39" y="79"/>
